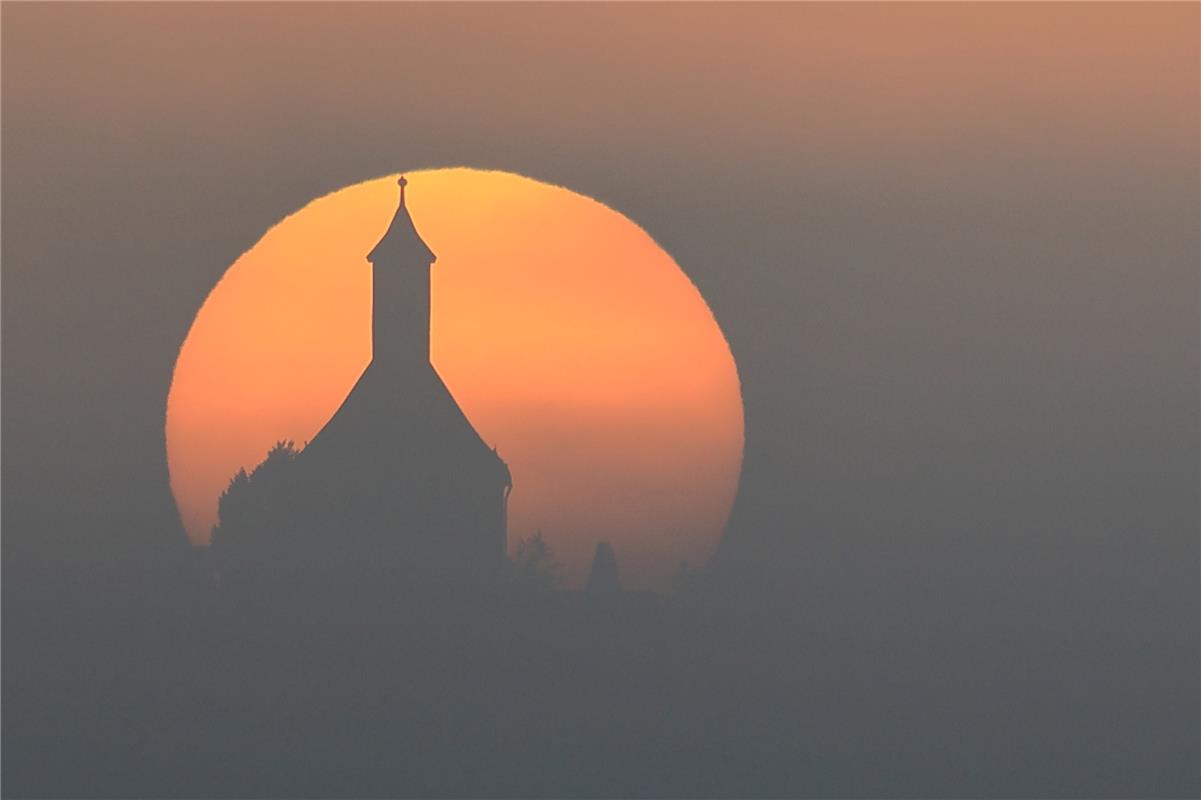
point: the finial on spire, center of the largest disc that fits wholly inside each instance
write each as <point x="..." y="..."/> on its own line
<point x="402" y="183"/>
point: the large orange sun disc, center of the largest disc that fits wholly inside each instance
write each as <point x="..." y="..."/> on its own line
<point x="572" y="341"/>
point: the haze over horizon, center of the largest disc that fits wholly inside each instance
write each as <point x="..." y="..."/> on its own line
<point x="954" y="251"/>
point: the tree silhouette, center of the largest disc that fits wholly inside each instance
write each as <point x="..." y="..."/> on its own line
<point x="534" y="566"/>
<point x="685" y="584"/>
<point x="603" y="578"/>
<point x="253" y="520"/>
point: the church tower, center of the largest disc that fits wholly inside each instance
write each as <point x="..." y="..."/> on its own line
<point x="398" y="484"/>
<point x="400" y="294"/>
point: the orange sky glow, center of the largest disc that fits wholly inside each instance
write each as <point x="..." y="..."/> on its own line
<point x="572" y="341"/>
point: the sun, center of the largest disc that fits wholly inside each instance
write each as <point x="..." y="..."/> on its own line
<point x="573" y="342"/>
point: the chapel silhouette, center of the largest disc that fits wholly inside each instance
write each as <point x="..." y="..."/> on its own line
<point x="398" y="490"/>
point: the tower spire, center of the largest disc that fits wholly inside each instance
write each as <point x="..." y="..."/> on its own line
<point x="401" y="244"/>
<point x="400" y="293"/>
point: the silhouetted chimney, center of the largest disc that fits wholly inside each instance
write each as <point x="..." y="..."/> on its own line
<point x="602" y="578"/>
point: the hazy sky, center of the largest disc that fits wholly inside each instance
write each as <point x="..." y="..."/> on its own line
<point x="954" y="249"/>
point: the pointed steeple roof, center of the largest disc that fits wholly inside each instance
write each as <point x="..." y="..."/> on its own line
<point x="401" y="242"/>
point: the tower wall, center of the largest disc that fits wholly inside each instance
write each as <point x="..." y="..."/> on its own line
<point x="400" y="311"/>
